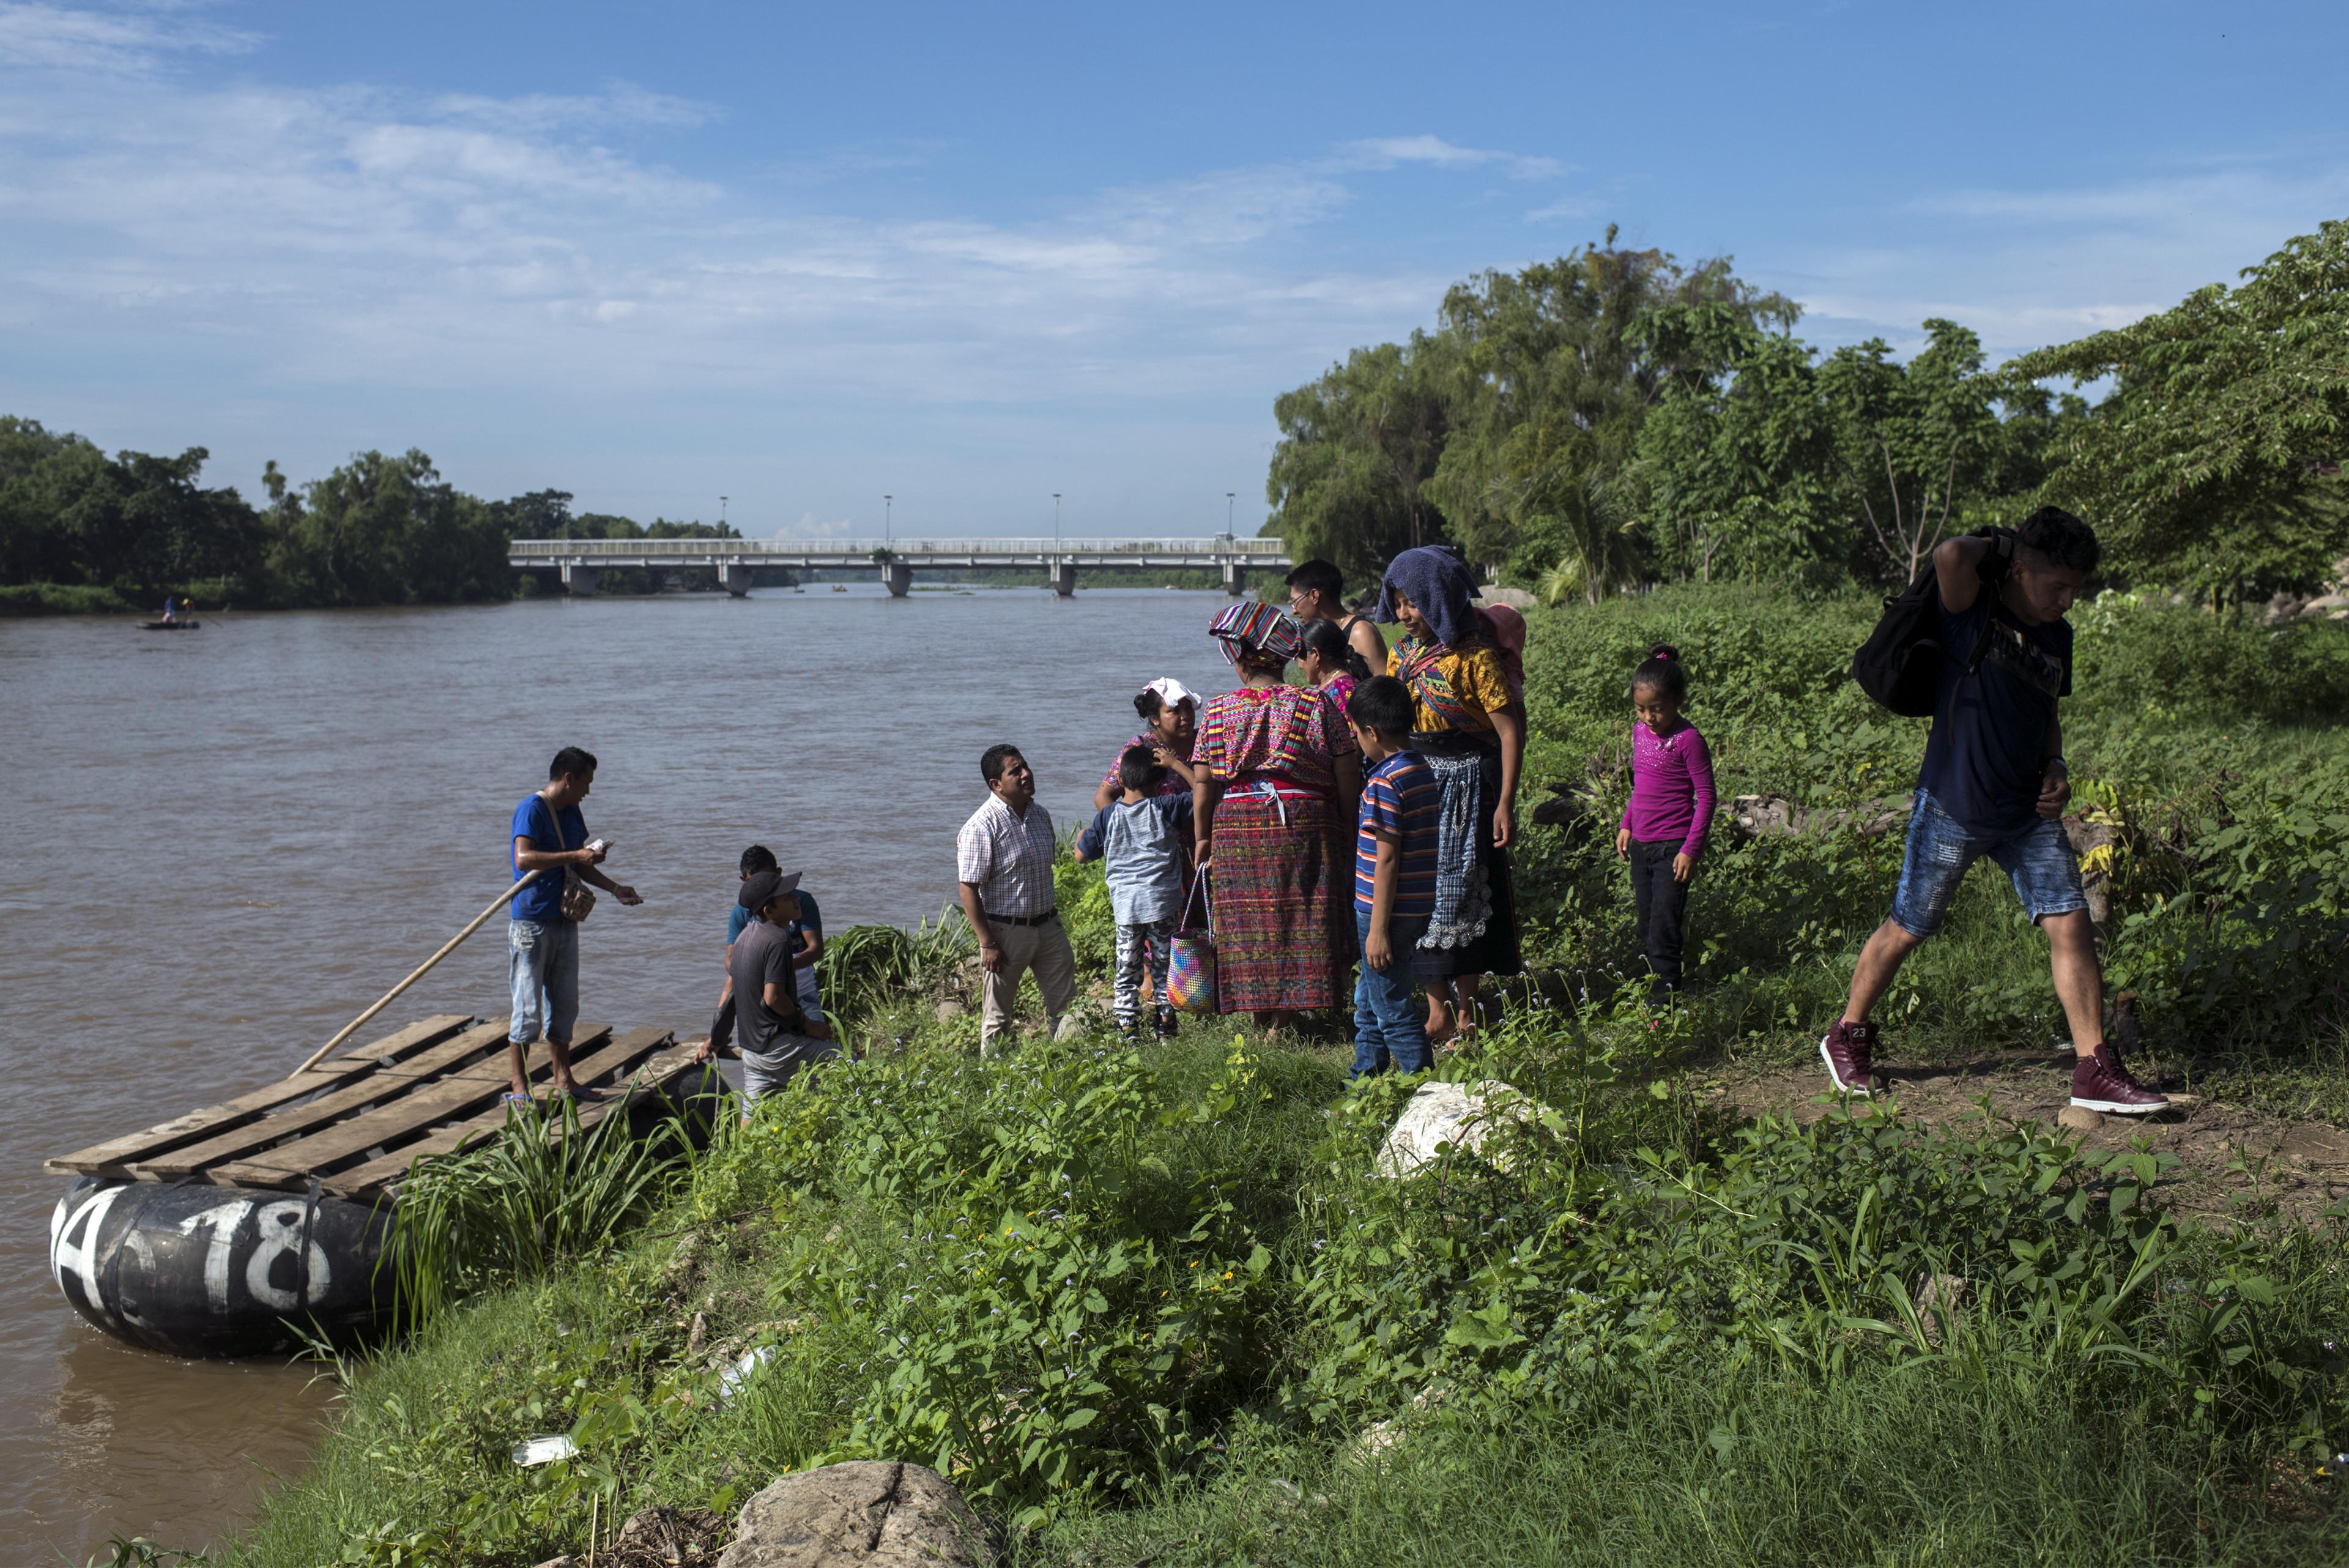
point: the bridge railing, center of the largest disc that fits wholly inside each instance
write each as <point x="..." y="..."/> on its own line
<point x="1268" y="550"/>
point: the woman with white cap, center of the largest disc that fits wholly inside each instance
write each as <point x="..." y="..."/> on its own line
<point x="1171" y="712"/>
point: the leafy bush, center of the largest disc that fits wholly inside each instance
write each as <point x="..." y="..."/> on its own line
<point x="2133" y="654"/>
<point x="1045" y="1248"/>
<point x="60" y="598"/>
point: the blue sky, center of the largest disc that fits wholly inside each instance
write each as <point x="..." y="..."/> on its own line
<point x="972" y="255"/>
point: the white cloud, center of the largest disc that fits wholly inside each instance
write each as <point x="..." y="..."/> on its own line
<point x="112" y="43"/>
<point x="620" y="103"/>
<point x="358" y="237"/>
<point x="2027" y="267"/>
<point x="1566" y="207"/>
<point x="810" y="526"/>
<point x="1386" y="151"/>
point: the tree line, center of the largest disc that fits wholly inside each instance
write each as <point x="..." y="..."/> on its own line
<point x="1613" y="417"/>
<point x="378" y="530"/>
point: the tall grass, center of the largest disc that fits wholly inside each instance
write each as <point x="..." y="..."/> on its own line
<point x="866" y="970"/>
<point x="541" y="1192"/>
<point x="1708" y="1466"/>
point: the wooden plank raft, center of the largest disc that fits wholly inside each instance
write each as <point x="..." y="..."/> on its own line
<point x="357" y="1122"/>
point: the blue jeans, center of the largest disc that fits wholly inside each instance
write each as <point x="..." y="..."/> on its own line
<point x="2037" y="859"/>
<point x="543" y="968"/>
<point x="1390" y="1020"/>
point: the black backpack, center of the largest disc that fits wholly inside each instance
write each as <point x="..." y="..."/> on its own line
<point x="1900" y="665"/>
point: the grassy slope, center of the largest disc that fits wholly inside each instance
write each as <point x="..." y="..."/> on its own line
<point x="1159" y="1296"/>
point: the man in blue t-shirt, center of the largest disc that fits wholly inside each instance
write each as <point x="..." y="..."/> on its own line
<point x="1993" y="784"/>
<point x="550" y="839"/>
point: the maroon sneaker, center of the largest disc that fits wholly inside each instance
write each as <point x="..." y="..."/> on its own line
<point x="1847" y="1049"/>
<point x="2099" y="1083"/>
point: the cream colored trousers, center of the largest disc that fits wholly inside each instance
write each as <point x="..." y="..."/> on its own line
<point x="1045" y="949"/>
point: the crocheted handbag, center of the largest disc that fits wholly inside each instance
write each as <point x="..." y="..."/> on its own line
<point x="1191" y="956"/>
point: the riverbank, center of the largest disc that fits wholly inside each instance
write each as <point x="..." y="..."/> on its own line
<point x="1146" y="1306"/>
<point x="263" y="747"/>
<point x="64" y="599"/>
<point x="1154" y="1307"/>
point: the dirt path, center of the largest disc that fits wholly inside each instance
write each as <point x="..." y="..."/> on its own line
<point x="2231" y="1164"/>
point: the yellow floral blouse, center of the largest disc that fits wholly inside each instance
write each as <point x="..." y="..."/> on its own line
<point x="1451" y="688"/>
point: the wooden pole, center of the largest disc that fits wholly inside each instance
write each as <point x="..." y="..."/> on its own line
<point x="389" y="996"/>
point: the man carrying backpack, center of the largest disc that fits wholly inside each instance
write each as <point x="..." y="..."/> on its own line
<point x="1994" y="783"/>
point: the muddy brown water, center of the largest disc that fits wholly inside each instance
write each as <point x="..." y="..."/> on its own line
<point x="221" y="845"/>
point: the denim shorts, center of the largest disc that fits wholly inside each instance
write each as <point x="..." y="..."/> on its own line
<point x="542" y="971"/>
<point x="2037" y="859"/>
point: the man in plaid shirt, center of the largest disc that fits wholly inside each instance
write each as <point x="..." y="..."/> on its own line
<point x="1004" y="858"/>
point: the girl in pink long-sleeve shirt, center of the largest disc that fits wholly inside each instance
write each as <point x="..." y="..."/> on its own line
<point x="1669" y="813"/>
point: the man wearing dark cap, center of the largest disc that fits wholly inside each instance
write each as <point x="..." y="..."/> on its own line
<point x="771" y="1031"/>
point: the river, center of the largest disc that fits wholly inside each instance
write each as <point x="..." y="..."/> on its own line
<point x="226" y="842"/>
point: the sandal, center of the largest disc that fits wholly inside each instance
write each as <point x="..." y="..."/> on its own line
<point x="513" y="1099"/>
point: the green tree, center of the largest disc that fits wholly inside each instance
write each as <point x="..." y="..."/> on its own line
<point x="2216" y="456"/>
<point x="1915" y="442"/>
<point x="1550" y="378"/>
<point x="1736" y="473"/>
<point x="1348" y="481"/>
<point x="389" y="530"/>
<point x="68" y="513"/>
<point x="174" y="530"/>
<point x="542" y="514"/>
<point x="50" y="483"/>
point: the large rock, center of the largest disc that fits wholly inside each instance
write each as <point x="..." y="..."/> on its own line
<point x="1518" y="599"/>
<point x="1460" y="1114"/>
<point x="866" y="1512"/>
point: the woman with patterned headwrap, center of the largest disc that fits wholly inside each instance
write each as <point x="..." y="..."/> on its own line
<point x="1278" y="775"/>
<point x="1469" y="722"/>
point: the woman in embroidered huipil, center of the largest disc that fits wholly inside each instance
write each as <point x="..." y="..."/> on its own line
<point x="1471" y="726"/>
<point x="1278" y="775"/>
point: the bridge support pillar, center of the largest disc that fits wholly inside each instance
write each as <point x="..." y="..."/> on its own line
<point x="1064" y="579"/>
<point x="737" y="580"/>
<point x="900" y="578"/>
<point x="1235" y="578"/>
<point x="578" y="578"/>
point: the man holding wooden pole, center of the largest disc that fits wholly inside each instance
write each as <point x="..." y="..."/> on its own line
<point x="550" y="839"/>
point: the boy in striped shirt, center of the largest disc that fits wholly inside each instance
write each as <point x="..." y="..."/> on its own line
<point x="1394" y="879"/>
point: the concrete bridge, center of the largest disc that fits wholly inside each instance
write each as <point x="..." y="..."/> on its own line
<point x="580" y="561"/>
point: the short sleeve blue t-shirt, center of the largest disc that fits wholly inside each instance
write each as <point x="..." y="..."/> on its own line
<point x="810" y="920"/>
<point x="1984" y="757"/>
<point x="1400" y="798"/>
<point x="533" y="819"/>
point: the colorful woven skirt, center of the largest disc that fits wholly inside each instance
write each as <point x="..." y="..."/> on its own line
<point x="1284" y="904"/>
<point x="1475" y="927"/>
